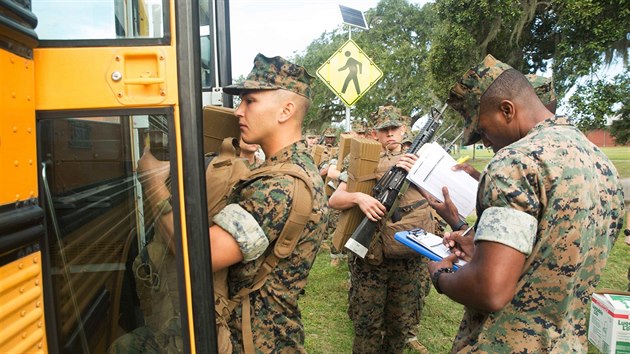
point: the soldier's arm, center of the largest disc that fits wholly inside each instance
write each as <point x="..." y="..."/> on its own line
<point x="341" y="199"/>
<point x="488" y="281"/>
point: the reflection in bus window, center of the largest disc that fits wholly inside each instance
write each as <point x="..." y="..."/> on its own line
<point x="98" y="19"/>
<point x="104" y="278"/>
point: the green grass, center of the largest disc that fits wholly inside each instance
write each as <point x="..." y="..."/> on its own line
<point x="329" y="330"/>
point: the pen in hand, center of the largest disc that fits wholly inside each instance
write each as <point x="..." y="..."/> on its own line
<point x="467" y="231"/>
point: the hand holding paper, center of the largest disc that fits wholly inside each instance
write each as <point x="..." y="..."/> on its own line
<point x="432" y="171"/>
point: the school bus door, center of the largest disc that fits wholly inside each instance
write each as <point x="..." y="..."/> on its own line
<point x="111" y="79"/>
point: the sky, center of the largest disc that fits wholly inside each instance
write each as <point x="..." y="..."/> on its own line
<point x="283" y="27"/>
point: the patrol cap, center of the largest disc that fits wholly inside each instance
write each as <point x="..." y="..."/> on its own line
<point x="272" y="74"/>
<point x="388" y="117"/>
<point x="358" y="127"/>
<point x="465" y="96"/>
<point x="310" y="133"/>
<point x="543" y="86"/>
<point x="329" y="133"/>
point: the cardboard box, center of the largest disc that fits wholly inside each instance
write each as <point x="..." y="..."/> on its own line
<point x="364" y="156"/>
<point x="609" y="322"/>
<point x="218" y="123"/>
<point x="344" y="146"/>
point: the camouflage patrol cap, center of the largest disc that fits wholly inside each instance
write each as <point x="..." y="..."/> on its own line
<point x="272" y="74"/>
<point x="310" y="133"/>
<point x="465" y="96"/>
<point x="387" y="117"/>
<point x="329" y="133"/>
<point x="358" y="126"/>
<point x="543" y="86"/>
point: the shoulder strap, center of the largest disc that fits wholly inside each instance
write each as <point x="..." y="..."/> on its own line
<point x="299" y="215"/>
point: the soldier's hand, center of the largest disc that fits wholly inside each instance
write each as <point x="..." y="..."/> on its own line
<point x="407" y="161"/>
<point x="462" y="246"/>
<point x="372" y="208"/>
<point x="468" y="169"/>
<point x="446" y="210"/>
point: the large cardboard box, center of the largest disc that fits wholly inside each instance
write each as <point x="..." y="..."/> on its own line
<point x="218" y="123"/>
<point x="609" y="322"/>
<point x="364" y="156"/>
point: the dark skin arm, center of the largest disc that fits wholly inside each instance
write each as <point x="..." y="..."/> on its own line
<point x="488" y="281"/>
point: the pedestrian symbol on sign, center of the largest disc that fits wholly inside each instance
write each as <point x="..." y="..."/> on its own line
<point x="349" y="64"/>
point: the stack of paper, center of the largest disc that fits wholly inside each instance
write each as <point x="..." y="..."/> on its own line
<point x="430" y="245"/>
<point x="432" y="171"/>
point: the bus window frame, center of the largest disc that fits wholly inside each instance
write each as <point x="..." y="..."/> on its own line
<point x="117" y="42"/>
<point x="48" y="240"/>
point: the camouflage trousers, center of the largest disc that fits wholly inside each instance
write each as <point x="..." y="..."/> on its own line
<point x="385" y="302"/>
<point x="333" y="220"/>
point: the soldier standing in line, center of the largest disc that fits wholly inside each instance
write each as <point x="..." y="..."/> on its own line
<point x="275" y="97"/>
<point x="549" y="207"/>
<point x="385" y="292"/>
<point x="311" y="138"/>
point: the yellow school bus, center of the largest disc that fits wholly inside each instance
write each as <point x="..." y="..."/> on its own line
<point x="84" y="86"/>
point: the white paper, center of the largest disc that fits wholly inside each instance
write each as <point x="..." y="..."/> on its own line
<point x="433" y="243"/>
<point x="432" y="171"/>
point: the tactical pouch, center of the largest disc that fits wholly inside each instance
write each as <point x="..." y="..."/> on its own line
<point x="415" y="215"/>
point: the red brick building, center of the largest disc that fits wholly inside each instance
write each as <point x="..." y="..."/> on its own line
<point x="602" y="138"/>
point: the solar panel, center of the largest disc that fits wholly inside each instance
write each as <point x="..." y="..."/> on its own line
<point x="353" y="17"/>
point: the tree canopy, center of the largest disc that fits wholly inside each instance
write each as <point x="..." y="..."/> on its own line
<point x="424" y="50"/>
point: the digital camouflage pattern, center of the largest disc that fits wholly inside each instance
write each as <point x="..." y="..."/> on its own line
<point x="388" y="297"/>
<point x="387" y="117"/>
<point x="465" y="96"/>
<point x="359" y="127"/>
<point x="543" y="86"/>
<point x="385" y="302"/>
<point x="276" y="320"/>
<point x="564" y="181"/>
<point x="272" y="74"/>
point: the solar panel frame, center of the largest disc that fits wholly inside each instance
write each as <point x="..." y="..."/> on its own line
<point x="353" y="17"/>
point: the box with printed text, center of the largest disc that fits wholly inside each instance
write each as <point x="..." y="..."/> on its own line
<point x="609" y="322"/>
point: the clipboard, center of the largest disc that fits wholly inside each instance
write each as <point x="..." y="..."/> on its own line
<point x="411" y="239"/>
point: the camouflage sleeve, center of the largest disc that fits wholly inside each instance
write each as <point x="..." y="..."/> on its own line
<point x="509" y="193"/>
<point x="243" y="227"/>
<point x="507" y="226"/>
<point x="269" y="201"/>
<point x="343" y="177"/>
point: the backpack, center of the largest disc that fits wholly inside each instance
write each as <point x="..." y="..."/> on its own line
<point x="160" y="302"/>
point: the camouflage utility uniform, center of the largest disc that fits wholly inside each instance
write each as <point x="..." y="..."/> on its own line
<point x="387" y="295"/>
<point x="560" y="198"/>
<point x="276" y="322"/>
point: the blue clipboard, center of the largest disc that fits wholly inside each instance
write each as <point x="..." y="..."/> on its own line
<point x="402" y="237"/>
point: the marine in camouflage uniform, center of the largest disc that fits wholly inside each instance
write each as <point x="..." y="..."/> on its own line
<point x="549" y="208"/>
<point x="386" y="295"/>
<point x="264" y="206"/>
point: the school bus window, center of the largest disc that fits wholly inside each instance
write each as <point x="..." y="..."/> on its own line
<point x="99" y="19"/>
<point x="100" y="224"/>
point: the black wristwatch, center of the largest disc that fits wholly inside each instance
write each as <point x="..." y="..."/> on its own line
<point x="459" y="225"/>
<point x="435" y="278"/>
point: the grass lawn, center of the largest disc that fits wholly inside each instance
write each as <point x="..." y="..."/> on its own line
<point x="329" y="330"/>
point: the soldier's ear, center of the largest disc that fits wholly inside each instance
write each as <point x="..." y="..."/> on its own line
<point x="287" y="111"/>
<point x="507" y="110"/>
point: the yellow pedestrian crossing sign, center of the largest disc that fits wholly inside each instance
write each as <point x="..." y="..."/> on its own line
<point x="349" y="73"/>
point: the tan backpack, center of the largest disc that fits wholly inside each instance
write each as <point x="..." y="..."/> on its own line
<point x="160" y="303"/>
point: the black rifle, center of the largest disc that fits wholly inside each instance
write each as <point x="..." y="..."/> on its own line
<point x="388" y="187"/>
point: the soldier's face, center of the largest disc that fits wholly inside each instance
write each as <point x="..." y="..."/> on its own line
<point x="390" y="138"/>
<point x="257" y="115"/>
<point x="311" y="140"/>
<point x="495" y="128"/>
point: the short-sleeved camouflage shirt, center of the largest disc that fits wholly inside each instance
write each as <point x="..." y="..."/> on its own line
<point x="555" y="175"/>
<point x="276" y="323"/>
